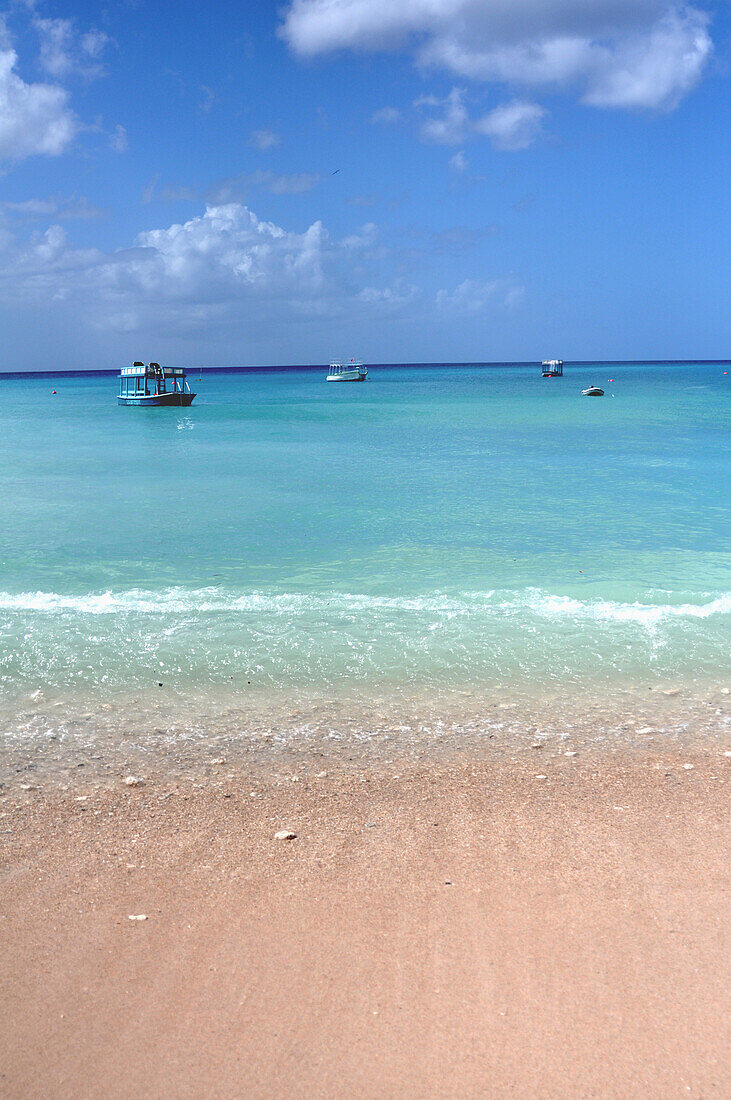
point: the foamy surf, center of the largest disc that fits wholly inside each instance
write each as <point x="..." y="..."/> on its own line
<point x="531" y="601"/>
<point x="197" y="638"/>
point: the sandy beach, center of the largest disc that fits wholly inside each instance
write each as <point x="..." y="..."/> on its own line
<point x="541" y="926"/>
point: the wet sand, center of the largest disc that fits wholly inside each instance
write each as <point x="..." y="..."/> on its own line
<point x="461" y="929"/>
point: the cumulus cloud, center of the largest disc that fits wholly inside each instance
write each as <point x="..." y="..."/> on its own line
<point x="655" y="70"/>
<point x="513" y="125"/>
<point x="618" y="53"/>
<point x="207" y="268"/>
<point x="35" y="119"/>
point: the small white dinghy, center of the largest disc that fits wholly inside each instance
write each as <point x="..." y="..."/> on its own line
<point x="592" y="391"/>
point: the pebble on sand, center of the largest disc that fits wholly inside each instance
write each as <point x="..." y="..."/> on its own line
<point x="285" y="834"/>
<point x="138" y="916"/>
<point x="133" y="781"/>
<point x="688" y="767"/>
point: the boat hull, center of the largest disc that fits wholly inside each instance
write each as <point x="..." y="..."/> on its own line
<point x="177" y="399"/>
<point x="346" y="376"/>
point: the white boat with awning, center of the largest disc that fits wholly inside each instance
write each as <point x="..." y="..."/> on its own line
<point x="352" y="371"/>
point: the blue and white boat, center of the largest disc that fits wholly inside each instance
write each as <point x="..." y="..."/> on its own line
<point x="153" y="385"/>
<point x="352" y="371"/>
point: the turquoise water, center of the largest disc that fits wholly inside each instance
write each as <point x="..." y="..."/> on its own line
<point x="432" y="528"/>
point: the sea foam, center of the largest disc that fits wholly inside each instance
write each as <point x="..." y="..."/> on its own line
<point x="211" y="600"/>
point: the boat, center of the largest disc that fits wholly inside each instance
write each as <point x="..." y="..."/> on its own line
<point x="552" y="368"/>
<point x="592" y="391"/>
<point x="352" y="371"/>
<point x="153" y="385"/>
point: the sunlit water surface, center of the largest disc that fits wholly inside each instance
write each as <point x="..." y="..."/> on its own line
<point x="288" y="554"/>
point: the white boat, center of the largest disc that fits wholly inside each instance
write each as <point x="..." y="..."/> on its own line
<point x="592" y="391"/>
<point x="552" y="368"/>
<point x="352" y="371"/>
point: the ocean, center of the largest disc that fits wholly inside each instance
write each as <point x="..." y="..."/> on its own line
<point x="441" y="551"/>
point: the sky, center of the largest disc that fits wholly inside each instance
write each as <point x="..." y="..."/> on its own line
<point x="400" y="180"/>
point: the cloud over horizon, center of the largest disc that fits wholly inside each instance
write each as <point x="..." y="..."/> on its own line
<point x="187" y="274"/>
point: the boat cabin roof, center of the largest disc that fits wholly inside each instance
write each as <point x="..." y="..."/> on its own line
<point x="139" y="370"/>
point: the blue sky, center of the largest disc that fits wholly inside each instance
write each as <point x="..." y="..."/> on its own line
<point x="431" y="180"/>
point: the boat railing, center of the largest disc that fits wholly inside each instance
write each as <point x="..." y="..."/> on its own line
<point x="155" y="374"/>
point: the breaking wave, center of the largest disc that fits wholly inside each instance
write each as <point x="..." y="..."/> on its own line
<point x="534" y="602"/>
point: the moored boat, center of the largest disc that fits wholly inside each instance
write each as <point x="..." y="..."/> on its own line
<point x="153" y="385"/>
<point x="592" y="391"/>
<point x="552" y="368"/>
<point x="352" y="371"/>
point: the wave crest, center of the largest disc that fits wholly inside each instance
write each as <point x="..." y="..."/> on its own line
<point x="211" y="600"/>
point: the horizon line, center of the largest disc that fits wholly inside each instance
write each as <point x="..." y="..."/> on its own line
<point x="100" y="371"/>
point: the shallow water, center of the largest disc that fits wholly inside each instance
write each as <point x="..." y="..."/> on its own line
<point x="430" y="532"/>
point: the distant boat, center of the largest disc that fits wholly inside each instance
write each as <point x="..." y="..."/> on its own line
<point x="352" y="371"/>
<point x="153" y="385"/>
<point x="552" y="368"/>
<point x="592" y="391"/>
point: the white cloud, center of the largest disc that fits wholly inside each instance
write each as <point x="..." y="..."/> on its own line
<point x="450" y="127"/>
<point x="390" y="299"/>
<point x="513" y="125"/>
<point x="75" y="208"/>
<point x="264" y="139"/>
<point x="32" y="208"/>
<point x="459" y="162"/>
<point x="118" y="140"/>
<point x="35" y="119"/>
<point x="472" y="296"/>
<point x="618" y="53"/>
<point x="387" y="115"/>
<point x="208" y="97"/>
<point x="65" y="52"/>
<point x="655" y="70"/>
<point x="236" y="188"/>
<point x="224" y="265"/>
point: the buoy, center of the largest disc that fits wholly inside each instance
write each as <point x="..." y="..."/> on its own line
<point x="53" y="391"/>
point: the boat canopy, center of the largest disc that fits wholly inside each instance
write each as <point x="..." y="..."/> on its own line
<point x="139" y="370"/>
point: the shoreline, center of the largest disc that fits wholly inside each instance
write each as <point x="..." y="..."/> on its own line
<point x="456" y="926"/>
<point x="162" y="735"/>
